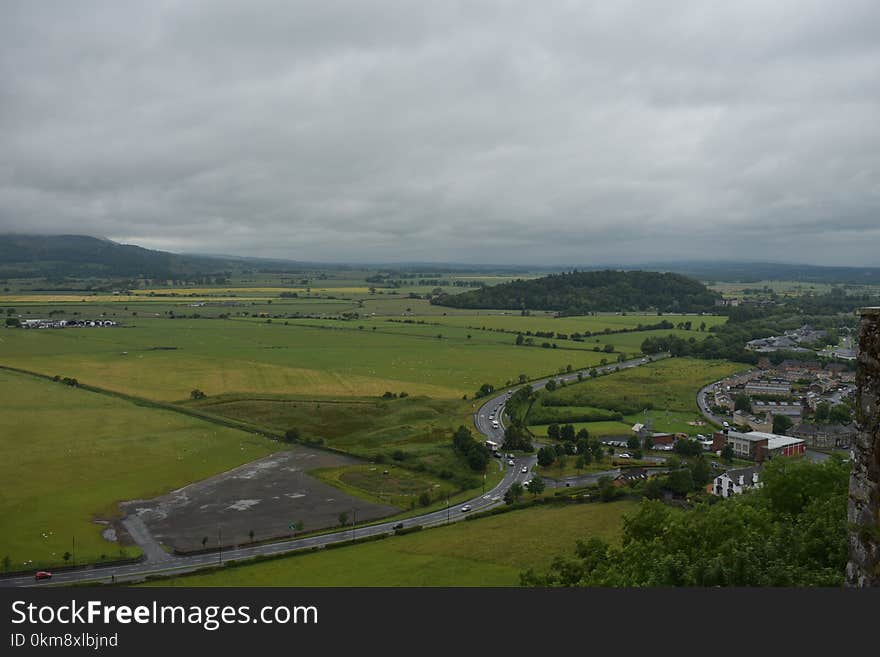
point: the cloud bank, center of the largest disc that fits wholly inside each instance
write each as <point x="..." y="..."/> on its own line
<point x="473" y="131"/>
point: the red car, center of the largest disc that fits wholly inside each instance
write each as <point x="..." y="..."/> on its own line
<point x="42" y="574"/>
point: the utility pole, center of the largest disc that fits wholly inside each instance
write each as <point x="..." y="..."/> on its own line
<point x="220" y="544"/>
<point x="74" y="551"/>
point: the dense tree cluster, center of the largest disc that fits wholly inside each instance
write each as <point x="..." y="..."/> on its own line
<point x="517" y="438"/>
<point x="790" y="532"/>
<point x="577" y="293"/>
<point x="519" y="403"/>
<point x="476" y="454"/>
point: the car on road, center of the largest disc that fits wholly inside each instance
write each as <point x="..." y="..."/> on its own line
<point x="511" y="462"/>
<point x="624" y="456"/>
<point x="398" y="526"/>
<point x="525" y="469"/>
<point x="42" y="574"/>
<point x="466" y="508"/>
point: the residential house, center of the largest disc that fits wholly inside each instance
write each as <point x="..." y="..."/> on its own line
<point x="735" y="482"/>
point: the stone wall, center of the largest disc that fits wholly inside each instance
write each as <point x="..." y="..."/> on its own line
<point x="863" y="515"/>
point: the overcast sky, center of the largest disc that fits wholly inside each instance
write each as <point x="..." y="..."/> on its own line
<point x="492" y="132"/>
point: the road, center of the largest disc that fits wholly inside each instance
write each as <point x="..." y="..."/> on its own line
<point x="704" y="406"/>
<point x="156" y="563"/>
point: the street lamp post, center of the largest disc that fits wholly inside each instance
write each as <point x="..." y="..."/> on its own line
<point x="220" y="544"/>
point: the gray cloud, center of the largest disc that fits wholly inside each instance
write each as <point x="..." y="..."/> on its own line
<point x="458" y="131"/>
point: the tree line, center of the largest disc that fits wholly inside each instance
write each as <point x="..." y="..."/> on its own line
<point x="790" y="532"/>
<point x="577" y="293"/>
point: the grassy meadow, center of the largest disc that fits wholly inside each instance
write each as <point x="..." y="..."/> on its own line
<point x="668" y="384"/>
<point x="165" y="360"/>
<point x="509" y="321"/>
<point x="319" y="362"/>
<point x="414" y="431"/>
<point x="68" y="455"/>
<point x="490" y="552"/>
<point x="663" y="392"/>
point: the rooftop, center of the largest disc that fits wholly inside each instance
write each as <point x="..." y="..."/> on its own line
<point x="775" y="441"/>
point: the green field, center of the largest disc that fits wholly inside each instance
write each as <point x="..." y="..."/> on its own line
<point x="669" y="384"/>
<point x="488" y="552"/>
<point x="368" y="424"/>
<point x="570" y="414"/>
<point x="415" y="432"/>
<point x="319" y="363"/>
<point x="68" y="455"/>
<point x="661" y="394"/>
<point x="662" y="421"/>
<point x="511" y="321"/>
<point x="165" y="359"/>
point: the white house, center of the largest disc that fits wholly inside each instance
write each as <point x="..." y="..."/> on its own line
<point x="734" y="482"/>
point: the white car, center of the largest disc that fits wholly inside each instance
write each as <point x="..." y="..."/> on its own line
<point x="624" y="456"/>
<point x="511" y="462"/>
<point x="525" y="469"/>
<point x="466" y="508"/>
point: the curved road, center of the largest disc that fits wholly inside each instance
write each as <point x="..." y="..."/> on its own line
<point x="157" y="562"/>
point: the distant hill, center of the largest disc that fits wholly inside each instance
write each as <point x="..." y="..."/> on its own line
<point x="576" y="292"/>
<point x="752" y="272"/>
<point x="80" y="255"/>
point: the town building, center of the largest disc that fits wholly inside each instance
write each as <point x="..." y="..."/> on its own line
<point x="768" y="388"/>
<point x="825" y="436"/>
<point x="757" y="445"/>
<point x="735" y="482"/>
<point x="791" y="409"/>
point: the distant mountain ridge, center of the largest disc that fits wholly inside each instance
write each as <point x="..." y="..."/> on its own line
<point x="575" y="293"/>
<point x="23" y="255"/>
<point x="31" y="255"/>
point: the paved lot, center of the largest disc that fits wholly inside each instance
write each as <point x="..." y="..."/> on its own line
<point x="264" y="496"/>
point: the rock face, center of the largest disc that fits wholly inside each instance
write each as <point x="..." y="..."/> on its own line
<point x="863" y="515"/>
